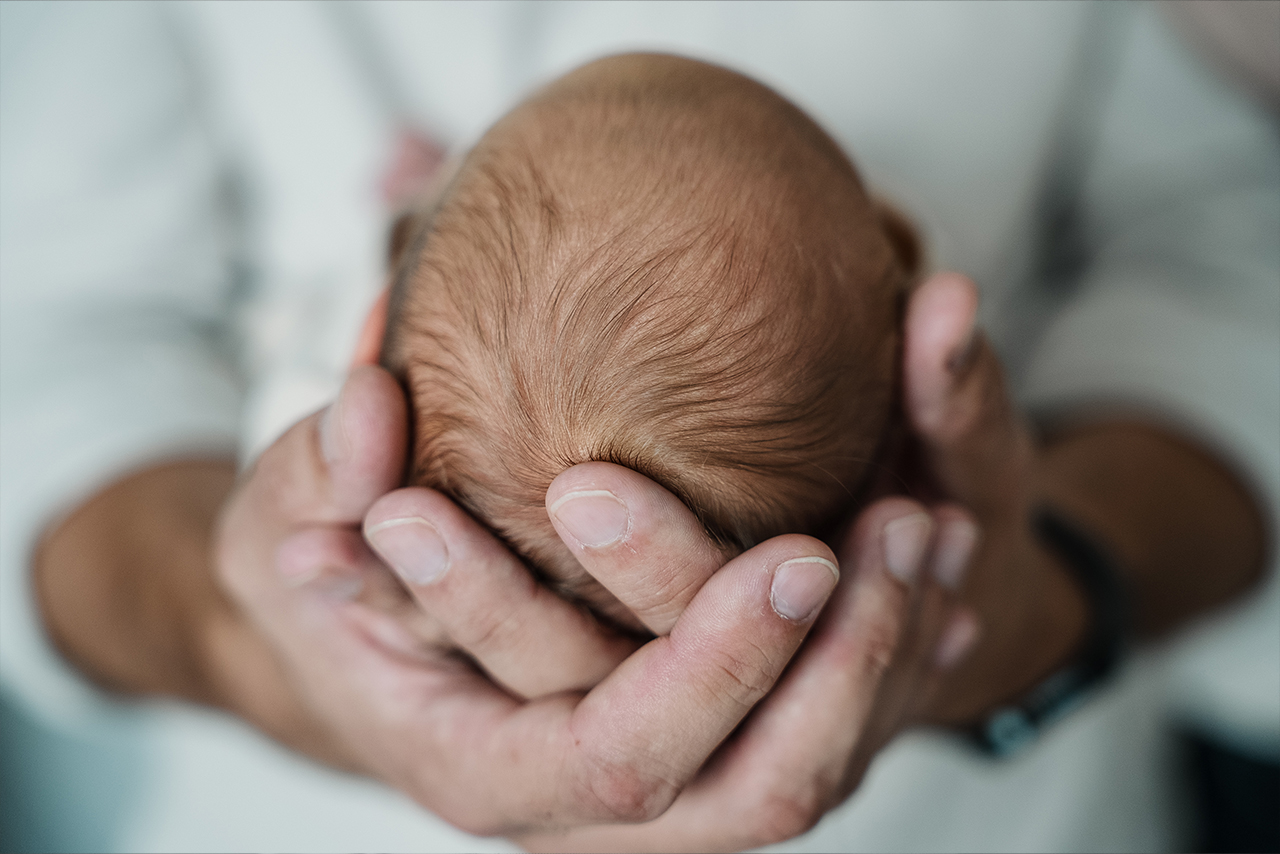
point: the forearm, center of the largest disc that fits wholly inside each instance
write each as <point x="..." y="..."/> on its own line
<point x="124" y="582"/>
<point x="1188" y="536"/>
<point x="127" y="593"/>
<point x="1185" y="534"/>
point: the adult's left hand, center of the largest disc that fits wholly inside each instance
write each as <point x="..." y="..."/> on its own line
<point x="423" y="718"/>
<point x="1166" y="509"/>
<point x="980" y="628"/>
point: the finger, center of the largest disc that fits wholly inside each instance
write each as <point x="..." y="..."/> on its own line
<point x="527" y="638"/>
<point x="841" y="686"/>
<point x="336" y="565"/>
<point x="331" y="466"/>
<point x="952" y="636"/>
<point x="636" y="538"/>
<point x="787" y="764"/>
<point x="955" y="550"/>
<point x="956" y="397"/>
<point x="939" y="632"/>
<point x="647" y="729"/>
<point x="946" y="564"/>
<point x="625" y="750"/>
<point x="961" y="634"/>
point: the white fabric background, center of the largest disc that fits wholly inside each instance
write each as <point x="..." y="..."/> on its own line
<point x="190" y="233"/>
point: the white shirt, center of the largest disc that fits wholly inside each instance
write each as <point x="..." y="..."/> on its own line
<point x="190" y="232"/>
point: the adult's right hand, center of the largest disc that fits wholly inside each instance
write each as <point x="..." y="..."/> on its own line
<point x="425" y="719"/>
<point x="870" y="668"/>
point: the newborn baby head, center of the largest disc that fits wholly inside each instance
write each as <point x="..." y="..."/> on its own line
<point x="661" y="264"/>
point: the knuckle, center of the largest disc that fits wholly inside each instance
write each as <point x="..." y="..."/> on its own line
<point x="293" y="480"/>
<point x="627" y="794"/>
<point x="489" y="630"/>
<point x="275" y="482"/>
<point x="879" y="642"/>
<point x="664" y="592"/>
<point x="783" y="815"/>
<point x="468" y="821"/>
<point x="230" y="563"/>
<point x="961" y="417"/>
<point x="465" y="813"/>
<point x="745" y="678"/>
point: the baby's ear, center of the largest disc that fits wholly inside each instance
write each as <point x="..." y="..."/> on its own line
<point x="369" y="344"/>
<point x="902" y="235"/>
<point x="402" y="232"/>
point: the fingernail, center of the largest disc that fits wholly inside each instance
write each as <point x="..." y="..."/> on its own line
<point x="963" y="356"/>
<point x="412" y="547"/>
<point x="956" y="542"/>
<point x="594" y="517"/>
<point x="332" y="443"/>
<point x="800" y="586"/>
<point x="956" y="641"/>
<point x="905" y="541"/>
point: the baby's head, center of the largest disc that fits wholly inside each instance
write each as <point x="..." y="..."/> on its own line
<point x="662" y="264"/>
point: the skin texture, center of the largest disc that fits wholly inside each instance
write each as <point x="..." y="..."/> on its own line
<point x="289" y="620"/>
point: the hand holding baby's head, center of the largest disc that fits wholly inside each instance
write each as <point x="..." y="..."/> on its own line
<point x="661" y="264"/>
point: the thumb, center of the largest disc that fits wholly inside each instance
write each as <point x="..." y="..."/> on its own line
<point x="956" y="398"/>
<point x="330" y="467"/>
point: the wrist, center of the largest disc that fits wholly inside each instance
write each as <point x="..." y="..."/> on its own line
<point x="1013" y="725"/>
<point x="123" y="582"/>
<point x="246" y="678"/>
<point x="1034" y="620"/>
<point x="1166" y="509"/>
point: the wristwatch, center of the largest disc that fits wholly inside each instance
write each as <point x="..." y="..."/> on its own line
<point x="1014" y="726"/>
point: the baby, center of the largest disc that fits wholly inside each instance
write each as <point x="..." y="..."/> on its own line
<point x="661" y="264"/>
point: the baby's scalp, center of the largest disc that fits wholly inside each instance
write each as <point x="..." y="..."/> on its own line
<point x="662" y="264"/>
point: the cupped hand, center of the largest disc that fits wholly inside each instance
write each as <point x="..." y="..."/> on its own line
<point x="975" y="449"/>
<point x="870" y="667"/>
<point x="473" y="724"/>
<point x="430" y="720"/>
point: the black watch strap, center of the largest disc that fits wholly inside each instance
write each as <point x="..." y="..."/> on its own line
<point x="1014" y="726"/>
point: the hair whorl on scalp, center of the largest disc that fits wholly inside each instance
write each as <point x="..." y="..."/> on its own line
<point x="661" y="264"/>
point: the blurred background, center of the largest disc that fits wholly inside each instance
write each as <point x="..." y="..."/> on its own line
<point x="194" y="206"/>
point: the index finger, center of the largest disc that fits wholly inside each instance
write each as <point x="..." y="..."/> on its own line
<point x="634" y="537"/>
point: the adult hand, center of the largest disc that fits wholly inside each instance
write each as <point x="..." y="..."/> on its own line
<point x="1165" y="508"/>
<point x="872" y="667"/>
<point x="869" y="668"/>
<point x="971" y="445"/>
<point x="422" y="717"/>
<point x="639" y="741"/>
<point x="875" y="663"/>
<point x="124" y="587"/>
